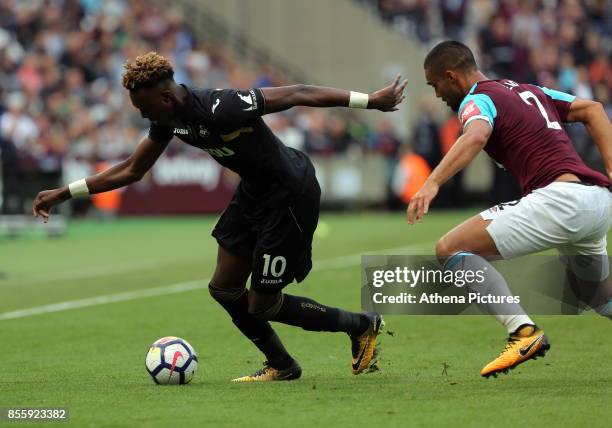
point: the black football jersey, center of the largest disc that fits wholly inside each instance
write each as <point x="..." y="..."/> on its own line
<point x="227" y="124"/>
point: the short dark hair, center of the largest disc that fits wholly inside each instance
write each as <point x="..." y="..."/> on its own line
<point x="450" y="55"/>
<point x="146" y="70"/>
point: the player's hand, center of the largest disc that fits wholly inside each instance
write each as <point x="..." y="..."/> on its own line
<point x="388" y="98"/>
<point x="47" y="199"/>
<point x="419" y="204"/>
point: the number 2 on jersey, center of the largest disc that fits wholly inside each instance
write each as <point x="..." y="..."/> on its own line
<point x="526" y="96"/>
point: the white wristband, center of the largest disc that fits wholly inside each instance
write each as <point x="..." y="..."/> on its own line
<point x="358" y="100"/>
<point x="78" y="188"/>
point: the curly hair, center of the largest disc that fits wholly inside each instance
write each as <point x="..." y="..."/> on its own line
<point x="146" y="70"/>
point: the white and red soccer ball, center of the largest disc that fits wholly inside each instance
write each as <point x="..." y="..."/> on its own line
<point x="171" y="361"/>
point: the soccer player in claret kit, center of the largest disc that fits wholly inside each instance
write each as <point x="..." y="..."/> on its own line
<point x="565" y="205"/>
<point x="266" y="231"/>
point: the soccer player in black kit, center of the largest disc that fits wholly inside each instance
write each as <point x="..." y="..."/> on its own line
<point x="266" y="231"/>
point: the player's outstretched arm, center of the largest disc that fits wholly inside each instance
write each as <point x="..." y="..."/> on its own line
<point x="285" y="97"/>
<point x="466" y="148"/>
<point x="126" y="172"/>
<point x="597" y="122"/>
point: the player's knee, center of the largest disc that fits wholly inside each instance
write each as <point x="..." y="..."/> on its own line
<point x="444" y="249"/>
<point x="225" y="295"/>
<point x="266" y="309"/>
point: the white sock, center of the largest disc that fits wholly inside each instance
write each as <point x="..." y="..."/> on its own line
<point x="513" y="322"/>
<point x="495" y="284"/>
<point x="605" y="310"/>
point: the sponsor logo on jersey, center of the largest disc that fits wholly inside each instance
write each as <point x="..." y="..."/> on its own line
<point x="270" y="281"/>
<point x="221" y="152"/>
<point x="235" y="134"/>
<point x="215" y="105"/>
<point x="470" y="110"/>
<point x="181" y="131"/>
<point x="250" y="98"/>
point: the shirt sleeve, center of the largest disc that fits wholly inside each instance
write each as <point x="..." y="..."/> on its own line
<point x="231" y="107"/>
<point x="161" y="134"/>
<point x="562" y="101"/>
<point x="477" y="106"/>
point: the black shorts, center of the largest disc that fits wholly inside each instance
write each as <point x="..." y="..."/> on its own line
<point x="277" y="240"/>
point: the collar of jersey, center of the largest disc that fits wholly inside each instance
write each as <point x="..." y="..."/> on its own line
<point x="473" y="88"/>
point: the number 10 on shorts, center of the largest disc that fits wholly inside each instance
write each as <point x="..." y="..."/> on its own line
<point x="275" y="266"/>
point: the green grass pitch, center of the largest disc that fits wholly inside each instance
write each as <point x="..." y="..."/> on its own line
<point x="91" y="359"/>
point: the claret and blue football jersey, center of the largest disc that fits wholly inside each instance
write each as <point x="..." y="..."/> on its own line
<point x="527" y="137"/>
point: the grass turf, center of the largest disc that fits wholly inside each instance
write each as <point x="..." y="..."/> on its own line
<point x="91" y="359"/>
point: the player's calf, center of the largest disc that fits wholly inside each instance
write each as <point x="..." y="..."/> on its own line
<point x="306" y="313"/>
<point x="260" y="332"/>
<point x="303" y="312"/>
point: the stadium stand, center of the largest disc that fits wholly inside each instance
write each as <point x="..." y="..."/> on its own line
<point x="561" y="44"/>
<point x="62" y="104"/>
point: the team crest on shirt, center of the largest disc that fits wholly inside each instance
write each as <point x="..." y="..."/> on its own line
<point x="203" y="132"/>
<point x="470" y="110"/>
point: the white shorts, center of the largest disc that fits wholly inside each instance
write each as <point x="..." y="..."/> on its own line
<point x="574" y="218"/>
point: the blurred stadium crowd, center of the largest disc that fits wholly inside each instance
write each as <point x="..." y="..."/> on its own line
<point x="561" y="44"/>
<point x="61" y="65"/>
<point x="564" y="44"/>
<point x="61" y="62"/>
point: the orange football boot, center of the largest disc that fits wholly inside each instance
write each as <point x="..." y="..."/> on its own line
<point x="363" y="347"/>
<point x="268" y="374"/>
<point x="528" y="342"/>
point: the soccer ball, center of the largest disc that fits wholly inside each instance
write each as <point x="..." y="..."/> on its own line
<point x="171" y="360"/>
